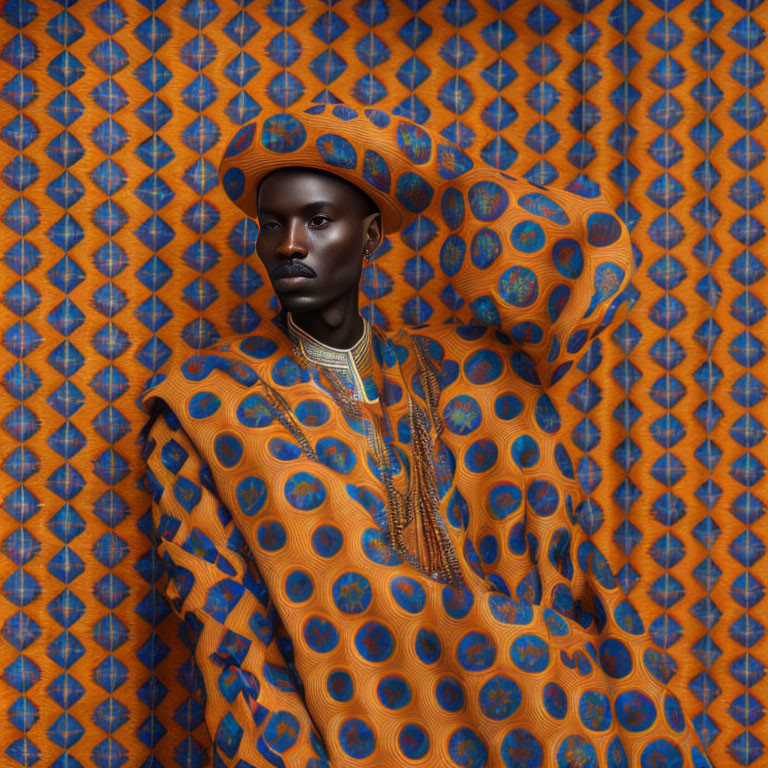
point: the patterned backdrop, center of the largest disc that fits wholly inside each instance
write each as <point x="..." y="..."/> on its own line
<point x="118" y="246"/>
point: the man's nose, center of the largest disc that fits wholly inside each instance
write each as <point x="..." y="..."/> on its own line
<point x="292" y="244"/>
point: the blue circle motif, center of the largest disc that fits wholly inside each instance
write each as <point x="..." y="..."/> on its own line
<point x="374" y="642"/>
<point x="233" y="181"/>
<point x="414" y="142"/>
<point x="304" y="491"/>
<point x="557" y="301"/>
<point x="530" y="653"/>
<point x="452" y="207"/>
<point x="674" y="713"/>
<point x="546" y="415"/>
<point x="408" y="594"/>
<point x="635" y="711"/>
<point x="339" y="685"/>
<point x="327" y="540"/>
<point x="568" y="257"/>
<point x="427" y="646"/>
<point x="299" y="586"/>
<point x="452" y="254"/>
<point x="286" y="372"/>
<point x="203" y="404"/>
<point x="312" y="413"/>
<point x="556" y="624"/>
<point x="603" y="229"/>
<point x="507" y="406"/>
<point x="336" y="151"/>
<point x="488" y="549"/>
<point x="457" y="602"/>
<point x="271" y="536"/>
<point x="393" y="692"/>
<point x="525" y="451"/>
<point x="521" y="749"/>
<point x="258" y="347"/>
<point x="483" y="366"/>
<point x="509" y="611"/>
<point x="555" y="701"/>
<point x="484" y="311"/>
<point x="376" y="171"/>
<point x="283" y="133"/>
<point x="519" y="286"/>
<point x="499" y="697"/>
<point x="251" y="495"/>
<point x="476" y="651"/>
<point x="414" y="192"/>
<point x="516" y="541"/>
<point x="526" y="332"/>
<point x="352" y="593"/>
<point x="595" y="710"/>
<point x="462" y="415"/>
<point x="228" y="450"/>
<point x="254" y="411"/>
<point x="543" y="497"/>
<point x="320" y="634"/>
<point x="481" y="456"/>
<point x="617" y="757"/>
<point x="449" y="694"/>
<point x="615" y="658"/>
<point x="283" y="450"/>
<point x="661" y="753"/>
<point x="281" y="731"/>
<point x="576" y="752"/>
<point x="467" y="749"/>
<point x="527" y="237"/>
<point x="487" y="200"/>
<point x="336" y="454"/>
<point x="544" y="206"/>
<point x="356" y="738"/>
<point x="564" y="463"/>
<point x="377" y="550"/>
<point x="413" y="741"/>
<point x="485" y="248"/>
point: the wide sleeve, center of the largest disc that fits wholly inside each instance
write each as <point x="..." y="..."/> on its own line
<point x="545" y="266"/>
<point x="254" y="708"/>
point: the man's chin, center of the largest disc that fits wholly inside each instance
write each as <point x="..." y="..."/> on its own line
<point x="297" y="303"/>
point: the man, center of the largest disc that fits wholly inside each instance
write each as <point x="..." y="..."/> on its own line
<point x="372" y="536"/>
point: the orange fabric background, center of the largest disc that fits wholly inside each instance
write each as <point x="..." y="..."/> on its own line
<point x="650" y="89"/>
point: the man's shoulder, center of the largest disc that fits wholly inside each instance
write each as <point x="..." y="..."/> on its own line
<point x="241" y="360"/>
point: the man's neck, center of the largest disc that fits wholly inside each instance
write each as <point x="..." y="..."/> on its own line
<point x="339" y="325"/>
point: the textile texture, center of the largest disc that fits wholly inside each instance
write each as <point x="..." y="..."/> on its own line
<point x="119" y="245"/>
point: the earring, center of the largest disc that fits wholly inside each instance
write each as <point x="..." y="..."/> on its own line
<point x="367" y="255"/>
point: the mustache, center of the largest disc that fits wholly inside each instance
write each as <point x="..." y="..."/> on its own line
<point x="291" y="268"/>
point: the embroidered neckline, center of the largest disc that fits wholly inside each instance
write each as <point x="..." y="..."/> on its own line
<point x="355" y="362"/>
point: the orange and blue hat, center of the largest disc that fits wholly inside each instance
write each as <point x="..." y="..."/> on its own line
<point x="396" y="162"/>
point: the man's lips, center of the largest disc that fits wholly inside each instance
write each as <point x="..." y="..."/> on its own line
<point x="291" y="268"/>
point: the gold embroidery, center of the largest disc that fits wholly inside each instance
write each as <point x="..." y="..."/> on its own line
<point x="416" y="529"/>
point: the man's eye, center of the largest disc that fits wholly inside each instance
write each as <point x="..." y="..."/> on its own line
<point x="270" y="225"/>
<point x="318" y="221"/>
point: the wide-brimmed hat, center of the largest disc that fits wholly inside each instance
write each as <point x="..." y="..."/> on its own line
<point x="394" y="161"/>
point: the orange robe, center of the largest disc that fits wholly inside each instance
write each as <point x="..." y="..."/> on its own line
<point x="380" y="553"/>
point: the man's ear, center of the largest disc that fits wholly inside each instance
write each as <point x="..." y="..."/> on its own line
<point x="373" y="231"/>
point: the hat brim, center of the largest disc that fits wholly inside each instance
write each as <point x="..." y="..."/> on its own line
<point x="254" y="153"/>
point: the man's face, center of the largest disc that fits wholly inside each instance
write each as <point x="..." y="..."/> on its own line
<point x="313" y="229"/>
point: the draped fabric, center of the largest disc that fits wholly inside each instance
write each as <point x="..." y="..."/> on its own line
<point x="329" y="633"/>
<point x="119" y="246"/>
